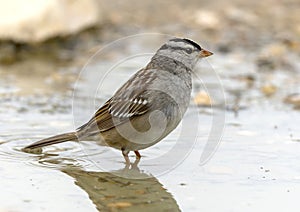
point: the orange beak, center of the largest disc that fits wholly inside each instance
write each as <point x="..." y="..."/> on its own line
<point x="205" y="53"/>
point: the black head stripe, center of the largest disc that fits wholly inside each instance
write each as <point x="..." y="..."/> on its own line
<point x="192" y="43"/>
<point x="187" y="41"/>
<point x="177" y="39"/>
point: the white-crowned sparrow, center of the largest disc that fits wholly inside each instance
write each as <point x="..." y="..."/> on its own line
<point x="147" y="107"/>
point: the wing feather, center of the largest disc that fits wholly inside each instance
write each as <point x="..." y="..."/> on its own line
<point x="129" y="101"/>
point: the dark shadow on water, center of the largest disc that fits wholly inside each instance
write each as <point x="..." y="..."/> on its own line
<point x="109" y="192"/>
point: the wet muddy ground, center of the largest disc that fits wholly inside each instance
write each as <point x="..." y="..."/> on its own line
<point x="255" y="166"/>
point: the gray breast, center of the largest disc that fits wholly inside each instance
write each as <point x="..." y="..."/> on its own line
<point x="170" y="93"/>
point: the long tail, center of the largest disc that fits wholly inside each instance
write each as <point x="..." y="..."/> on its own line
<point x="53" y="140"/>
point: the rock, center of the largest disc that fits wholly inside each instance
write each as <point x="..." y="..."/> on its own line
<point x="268" y="89"/>
<point x="36" y="21"/>
<point x="202" y="99"/>
<point x="207" y="19"/>
<point x="293" y="99"/>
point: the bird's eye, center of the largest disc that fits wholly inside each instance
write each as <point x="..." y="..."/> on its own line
<point x="189" y="50"/>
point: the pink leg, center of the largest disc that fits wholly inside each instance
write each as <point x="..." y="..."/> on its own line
<point x="137" y="154"/>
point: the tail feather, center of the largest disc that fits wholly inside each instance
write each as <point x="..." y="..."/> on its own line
<point x="53" y="140"/>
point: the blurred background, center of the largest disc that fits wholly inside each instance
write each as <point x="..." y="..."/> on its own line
<point x="40" y="38"/>
<point x="44" y="46"/>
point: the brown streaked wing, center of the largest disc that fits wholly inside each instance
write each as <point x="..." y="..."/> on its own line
<point x="128" y="101"/>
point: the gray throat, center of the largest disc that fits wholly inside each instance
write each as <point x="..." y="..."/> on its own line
<point x="168" y="64"/>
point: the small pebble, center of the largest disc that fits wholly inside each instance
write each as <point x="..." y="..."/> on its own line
<point x="202" y="99"/>
<point x="268" y="89"/>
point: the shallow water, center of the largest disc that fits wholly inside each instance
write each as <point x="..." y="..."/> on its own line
<point x="255" y="168"/>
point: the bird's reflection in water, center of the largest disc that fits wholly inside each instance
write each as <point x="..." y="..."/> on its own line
<point x="126" y="189"/>
<point x="110" y="192"/>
